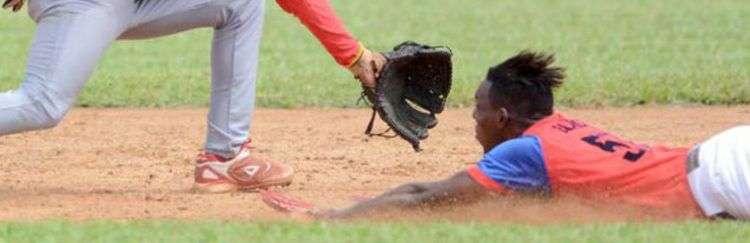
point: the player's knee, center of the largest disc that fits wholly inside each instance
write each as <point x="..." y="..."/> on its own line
<point x="51" y="120"/>
<point x="47" y="118"/>
<point x="242" y="12"/>
<point x="45" y="111"/>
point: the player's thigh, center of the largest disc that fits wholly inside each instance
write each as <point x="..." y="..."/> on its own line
<point x="162" y="18"/>
<point x="68" y="42"/>
<point x="119" y="10"/>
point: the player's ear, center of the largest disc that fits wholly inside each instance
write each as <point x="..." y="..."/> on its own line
<point x="502" y="117"/>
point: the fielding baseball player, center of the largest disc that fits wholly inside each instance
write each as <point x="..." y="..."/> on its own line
<point x="72" y="35"/>
<point x="532" y="150"/>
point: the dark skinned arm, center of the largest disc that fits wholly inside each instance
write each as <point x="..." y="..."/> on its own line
<point x="459" y="188"/>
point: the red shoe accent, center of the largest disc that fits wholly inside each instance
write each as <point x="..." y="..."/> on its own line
<point x="214" y="173"/>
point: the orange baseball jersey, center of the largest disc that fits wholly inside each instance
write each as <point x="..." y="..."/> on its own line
<point x="558" y="156"/>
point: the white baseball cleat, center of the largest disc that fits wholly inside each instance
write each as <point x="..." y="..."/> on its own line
<point x="215" y="174"/>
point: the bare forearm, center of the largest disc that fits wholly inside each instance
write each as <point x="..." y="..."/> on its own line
<point x="459" y="188"/>
<point x="379" y="204"/>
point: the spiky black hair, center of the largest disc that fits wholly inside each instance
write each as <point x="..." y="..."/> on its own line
<point x="523" y="84"/>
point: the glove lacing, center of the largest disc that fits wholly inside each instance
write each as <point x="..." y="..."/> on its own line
<point x="371" y="124"/>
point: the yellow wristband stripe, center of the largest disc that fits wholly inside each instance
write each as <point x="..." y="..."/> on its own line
<point x="358" y="56"/>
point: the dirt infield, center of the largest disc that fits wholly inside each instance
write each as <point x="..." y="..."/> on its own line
<point x="137" y="163"/>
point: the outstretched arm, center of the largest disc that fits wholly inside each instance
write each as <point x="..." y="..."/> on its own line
<point x="321" y="20"/>
<point x="459" y="188"/>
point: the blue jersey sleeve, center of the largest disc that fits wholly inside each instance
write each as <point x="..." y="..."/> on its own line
<point x="518" y="165"/>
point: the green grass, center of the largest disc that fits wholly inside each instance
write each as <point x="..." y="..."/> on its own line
<point x="161" y="231"/>
<point x="616" y="52"/>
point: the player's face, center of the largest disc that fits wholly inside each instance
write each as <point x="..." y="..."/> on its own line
<point x="489" y="124"/>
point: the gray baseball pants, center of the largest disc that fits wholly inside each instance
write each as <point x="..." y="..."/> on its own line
<point x="72" y="35"/>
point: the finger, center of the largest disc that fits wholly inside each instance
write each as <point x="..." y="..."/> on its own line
<point x="374" y="67"/>
<point x="10" y="3"/>
<point x="368" y="79"/>
<point x="273" y="200"/>
<point x="286" y="204"/>
<point x="274" y="203"/>
<point x="18" y="6"/>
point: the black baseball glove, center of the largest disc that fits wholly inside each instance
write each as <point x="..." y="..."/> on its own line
<point x="412" y="87"/>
